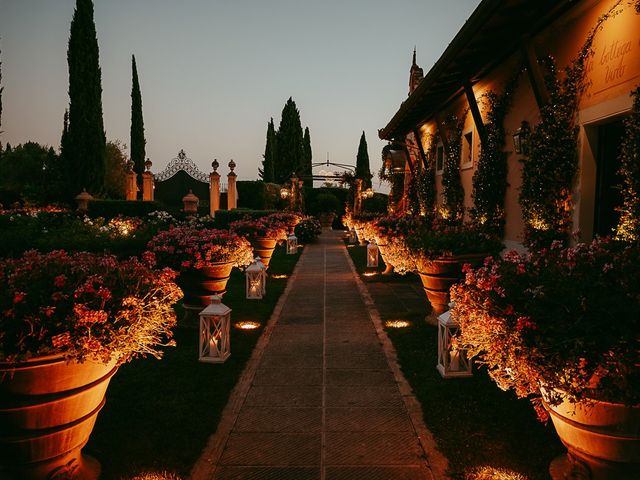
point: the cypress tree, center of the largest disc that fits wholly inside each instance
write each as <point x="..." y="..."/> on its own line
<point x="85" y="149"/>
<point x="268" y="159"/>
<point x="362" y="163"/>
<point x="137" y="125"/>
<point x="289" y="151"/>
<point x="307" y="159"/>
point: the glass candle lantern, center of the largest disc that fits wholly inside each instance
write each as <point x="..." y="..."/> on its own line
<point x="452" y="360"/>
<point x="255" y="281"/>
<point x="292" y="244"/>
<point x="215" y="322"/>
<point x="372" y="255"/>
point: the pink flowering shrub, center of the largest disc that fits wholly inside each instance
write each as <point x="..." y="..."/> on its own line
<point x="84" y="306"/>
<point x="564" y="318"/>
<point x="186" y="247"/>
<point x="393" y="231"/>
<point x="288" y="218"/>
<point x="270" y="226"/>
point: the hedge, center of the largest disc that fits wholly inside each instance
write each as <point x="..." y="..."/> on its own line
<point x="127" y="208"/>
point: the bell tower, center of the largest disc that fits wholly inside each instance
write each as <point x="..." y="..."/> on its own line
<point x="415" y="74"/>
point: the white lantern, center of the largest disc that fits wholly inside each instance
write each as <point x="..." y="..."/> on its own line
<point x="258" y="261"/>
<point x="452" y="360"/>
<point x="215" y="322"/>
<point x="353" y="238"/>
<point x="292" y="244"/>
<point x="255" y="281"/>
<point x="372" y="254"/>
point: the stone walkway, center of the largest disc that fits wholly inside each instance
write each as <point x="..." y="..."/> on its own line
<point x="322" y="397"/>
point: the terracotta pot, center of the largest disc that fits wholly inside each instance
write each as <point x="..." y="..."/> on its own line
<point x="292" y="224"/>
<point x="47" y="411"/>
<point x="199" y="285"/>
<point x="382" y="250"/>
<point x="263" y="247"/>
<point x="326" y="219"/>
<point x="440" y="274"/>
<point x="360" y="236"/>
<point x="602" y="439"/>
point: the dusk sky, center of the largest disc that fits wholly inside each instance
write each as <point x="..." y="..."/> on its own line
<point x="213" y="72"/>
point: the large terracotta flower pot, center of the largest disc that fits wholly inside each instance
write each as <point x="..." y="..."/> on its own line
<point x="200" y="284"/>
<point x="47" y="411"/>
<point x="382" y="246"/>
<point x="602" y="439"/>
<point x="326" y="219"/>
<point x="440" y="274"/>
<point x="263" y="247"/>
<point x="360" y="235"/>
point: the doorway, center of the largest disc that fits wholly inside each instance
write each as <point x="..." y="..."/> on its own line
<point x="608" y="196"/>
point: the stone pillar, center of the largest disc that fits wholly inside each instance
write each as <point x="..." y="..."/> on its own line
<point x="147" y="183"/>
<point x="357" y="197"/>
<point x="232" y="200"/>
<point x="131" y="187"/>
<point x="214" y="189"/>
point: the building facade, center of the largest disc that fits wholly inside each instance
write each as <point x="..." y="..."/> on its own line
<point x="508" y="49"/>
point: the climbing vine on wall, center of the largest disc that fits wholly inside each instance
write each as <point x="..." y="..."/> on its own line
<point x="452" y="208"/>
<point x="394" y="179"/>
<point x="421" y="195"/>
<point x="550" y="170"/>
<point x="490" y="179"/>
<point x="629" y="224"/>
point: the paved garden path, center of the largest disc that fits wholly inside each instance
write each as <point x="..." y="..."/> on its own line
<point x="322" y="396"/>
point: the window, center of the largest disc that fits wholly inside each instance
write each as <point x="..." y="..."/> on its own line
<point x="439" y="159"/>
<point x="467" y="150"/>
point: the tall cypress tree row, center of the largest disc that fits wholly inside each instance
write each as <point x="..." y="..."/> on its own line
<point x="268" y="159"/>
<point x="289" y="150"/>
<point x="137" y="125"/>
<point x="85" y="149"/>
<point x="362" y="163"/>
<point x="307" y="158"/>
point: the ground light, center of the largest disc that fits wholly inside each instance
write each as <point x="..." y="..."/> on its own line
<point x="397" y="323"/>
<point x="247" y="325"/>
<point x="370" y="274"/>
<point x="278" y="277"/>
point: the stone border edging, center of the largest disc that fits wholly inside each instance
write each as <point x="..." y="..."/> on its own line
<point x="437" y="463"/>
<point x="206" y="465"/>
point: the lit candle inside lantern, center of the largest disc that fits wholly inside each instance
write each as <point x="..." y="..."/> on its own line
<point x="454" y="357"/>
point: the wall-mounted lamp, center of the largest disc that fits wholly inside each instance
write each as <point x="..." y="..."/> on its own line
<point x="521" y="139"/>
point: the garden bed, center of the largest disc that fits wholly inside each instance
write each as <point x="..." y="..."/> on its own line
<point x="159" y="414"/>
<point x="475" y="423"/>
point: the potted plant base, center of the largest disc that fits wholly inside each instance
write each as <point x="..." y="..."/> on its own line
<point x="199" y="285"/>
<point x="263" y="247"/>
<point x="382" y="249"/>
<point x="326" y="219"/>
<point x="48" y="408"/>
<point x="440" y="274"/>
<point x="602" y="439"/>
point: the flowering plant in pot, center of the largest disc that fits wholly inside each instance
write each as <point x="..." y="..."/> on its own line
<point x="265" y="227"/>
<point x="204" y="258"/>
<point x="68" y="321"/>
<point x="308" y="230"/>
<point x="391" y="233"/>
<point x="263" y="233"/>
<point x="440" y="250"/>
<point x="560" y="327"/>
<point x="291" y="219"/>
<point x="362" y="225"/>
<point x="188" y="247"/>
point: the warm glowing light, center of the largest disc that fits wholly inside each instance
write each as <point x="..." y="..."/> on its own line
<point x="247" y="325"/>
<point x="278" y="277"/>
<point x="350" y="246"/>
<point x="491" y="473"/>
<point x="370" y="274"/>
<point x="538" y="223"/>
<point x="397" y="324"/>
<point x="156" y="476"/>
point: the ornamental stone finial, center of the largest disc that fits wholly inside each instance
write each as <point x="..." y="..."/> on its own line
<point x="232" y="165"/>
<point x="147" y="165"/>
<point x="181" y="154"/>
<point x="130" y="165"/>
<point x="215" y="165"/>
